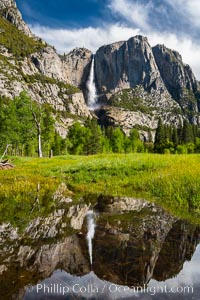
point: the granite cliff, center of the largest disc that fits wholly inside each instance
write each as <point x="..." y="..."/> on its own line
<point x="28" y="63"/>
<point x="136" y="84"/>
<point x="144" y="83"/>
<point x="178" y="78"/>
<point x="9" y="11"/>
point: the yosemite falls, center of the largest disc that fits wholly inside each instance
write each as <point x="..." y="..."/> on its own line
<point x="92" y="93"/>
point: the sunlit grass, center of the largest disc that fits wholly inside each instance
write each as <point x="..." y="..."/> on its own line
<point x="173" y="181"/>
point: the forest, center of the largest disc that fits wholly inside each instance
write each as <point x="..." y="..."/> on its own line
<point x="27" y="128"/>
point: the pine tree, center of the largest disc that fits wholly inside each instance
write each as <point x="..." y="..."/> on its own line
<point x="175" y="136"/>
<point x="187" y="133"/>
<point x="160" y="140"/>
<point x="93" y="141"/>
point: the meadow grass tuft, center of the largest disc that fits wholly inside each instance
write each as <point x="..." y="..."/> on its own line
<point x="173" y="181"/>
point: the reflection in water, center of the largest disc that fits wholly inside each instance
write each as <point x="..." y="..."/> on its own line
<point x="91" y="231"/>
<point x="91" y="287"/>
<point x="136" y="244"/>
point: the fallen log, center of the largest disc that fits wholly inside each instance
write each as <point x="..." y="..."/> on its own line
<point x="6" y="166"/>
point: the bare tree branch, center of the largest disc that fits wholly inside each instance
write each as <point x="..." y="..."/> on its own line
<point x="5" y="152"/>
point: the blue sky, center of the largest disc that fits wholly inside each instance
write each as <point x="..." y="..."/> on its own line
<point x="62" y="13"/>
<point x="91" y="23"/>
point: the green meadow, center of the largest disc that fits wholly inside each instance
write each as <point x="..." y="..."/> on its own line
<point x="172" y="181"/>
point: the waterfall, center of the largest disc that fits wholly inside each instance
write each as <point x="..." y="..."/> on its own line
<point x="92" y="93"/>
<point x="91" y="231"/>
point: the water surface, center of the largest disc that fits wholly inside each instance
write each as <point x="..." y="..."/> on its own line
<point x="138" y="251"/>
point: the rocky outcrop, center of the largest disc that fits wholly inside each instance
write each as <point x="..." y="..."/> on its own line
<point x="167" y="88"/>
<point x="42" y="74"/>
<point x="39" y="70"/>
<point x="175" y="250"/>
<point x="9" y="10"/>
<point x="132" y="63"/>
<point x="47" y="62"/>
<point x="175" y="74"/>
<point x="127" y="64"/>
<point x="178" y="77"/>
<point x="137" y="83"/>
<point x="66" y="100"/>
<point x="135" y="235"/>
<point x="137" y="108"/>
<point x="77" y="66"/>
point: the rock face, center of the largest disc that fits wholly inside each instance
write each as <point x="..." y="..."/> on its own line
<point x="126" y="65"/>
<point x="178" y="78"/>
<point x="48" y="63"/>
<point x="137" y="83"/>
<point x="175" y="251"/>
<point x="167" y="87"/>
<point x="42" y="87"/>
<point x="175" y="74"/>
<point x="40" y="71"/>
<point x="77" y="66"/>
<point x="134" y="63"/>
<point x="135" y="107"/>
<point x="9" y="10"/>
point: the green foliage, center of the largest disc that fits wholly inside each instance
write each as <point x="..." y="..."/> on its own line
<point x="16" y="41"/>
<point x="93" y="142"/>
<point x="175" y="136"/>
<point x="160" y="137"/>
<point x="85" y="139"/>
<point x="167" y="151"/>
<point x="180" y="149"/>
<point x="117" y="140"/>
<point x="19" y="129"/>
<point x="65" y="88"/>
<point x="180" y="140"/>
<point x="59" y="145"/>
<point x="91" y="139"/>
<point x="197" y="145"/>
<point x="187" y="132"/>
<point x="129" y="99"/>
<point x="173" y="181"/>
<point x="77" y="138"/>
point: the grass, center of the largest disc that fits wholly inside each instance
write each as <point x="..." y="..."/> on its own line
<point x="16" y="41"/>
<point x="172" y="181"/>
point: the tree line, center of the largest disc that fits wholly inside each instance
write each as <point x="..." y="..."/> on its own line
<point x="27" y="128"/>
<point x="183" y="139"/>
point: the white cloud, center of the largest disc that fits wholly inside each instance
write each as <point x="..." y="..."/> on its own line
<point x="186" y="47"/>
<point x="188" y="276"/>
<point x="138" y="15"/>
<point x="187" y="8"/>
<point x="92" y="38"/>
<point x="134" y="12"/>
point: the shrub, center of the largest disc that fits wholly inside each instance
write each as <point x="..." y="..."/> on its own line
<point x="181" y="149"/>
